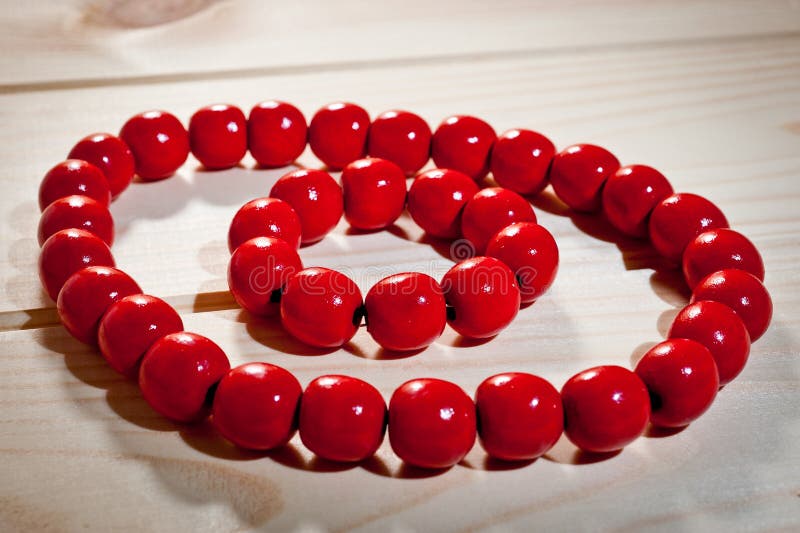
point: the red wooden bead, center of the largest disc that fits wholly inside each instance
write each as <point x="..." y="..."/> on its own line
<point x="578" y="174"/>
<point x="605" y="408"/>
<point x="463" y="143"/>
<point x="678" y="219"/>
<point x="276" y="133"/>
<point x="257" y="272"/>
<point x="255" y="406"/>
<point x="742" y="292"/>
<point x="342" y="418"/>
<point x="80" y="212"/>
<point x="436" y="200"/>
<point x="321" y="307"/>
<point x="491" y="210"/>
<point x="719" y="249"/>
<point x="432" y="423"/>
<point x="484" y="297"/>
<point x="130" y="326"/>
<point x="218" y="136"/>
<point x="159" y="143"/>
<point x="520" y="416"/>
<point x="178" y="372"/>
<point x="66" y="252"/>
<point x="74" y="176"/>
<point x="374" y="193"/>
<point x="316" y="198"/>
<point x="520" y="161"/>
<point x="681" y="377"/>
<point x="531" y="252"/>
<point x="405" y="311"/>
<point x="401" y="137"/>
<point x="265" y="217"/>
<point x="111" y="155"/>
<point x="717" y="327"/>
<point x="630" y="194"/>
<point x="338" y="134"/>
<point x="87" y="294"/>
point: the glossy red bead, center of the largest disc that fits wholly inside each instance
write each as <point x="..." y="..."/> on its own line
<point x="678" y="219"/>
<point x="402" y="138"/>
<point x="265" y="217"/>
<point x="531" y="252"/>
<point x="484" y="297"/>
<point x="374" y="193"/>
<point x="74" y="176"/>
<point x="87" y="294"/>
<point x="316" y="198"/>
<point x="338" y="134"/>
<point x="406" y="311"/>
<point x="681" y="377"/>
<point x="520" y="161"/>
<point x="255" y="406"/>
<point x="605" y="408"/>
<point x="111" y="155"/>
<point x="218" y="136"/>
<point x="342" y="418"/>
<point x="742" y="292"/>
<point x="436" y="200"/>
<point x="520" y="416"/>
<point x="719" y="249"/>
<point x="491" y="210"/>
<point x="159" y="143"/>
<point x="80" y="212"/>
<point x="276" y="133"/>
<point x="178" y="373"/>
<point x="629" y="196"/>
<point x="463" y="143"/>
<point x="578" y="173"/>
<point x="257" y="272"/>
<point x="67" y="251"/>
<point x="130" y="326"/>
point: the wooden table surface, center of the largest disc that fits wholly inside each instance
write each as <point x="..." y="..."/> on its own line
<point x="708" y="91"/>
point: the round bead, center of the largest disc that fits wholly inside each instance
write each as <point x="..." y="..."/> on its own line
<point x="111" y="155"/>
<point x="218" y="136"/>
<point x="342" y="418"/>
<point x="491" y="210"/>
<point x="484" y="297"/>
<point x="67" y="251"/>
<point x="338" y="134"/>
<point x="80" y="212"/>
<point x="179" y="372"/>
<point x="257" y="272"/>
<point x="630" y="194"/>
<point x="531" y="252"/>
<point x="265" y="217"/>
<point x="255" y="406"/>
<point x="87" y="294"/>
<point x="159" y="143"/>
<point x="276" y="133"/>
<point x="520" y="416"/>
<point x="678" y="219"/>
<point x="520" y="161"/>
<point x="742" y="292"/>
<point x="605" y="408"/>
<point x="402" y="138"/>
<point x="682" y="379"/>
<point x="374" y="193"/>
<point x="719" y="249"/>
<point x="717" y="327"/>
<point x="316" y="198"/>
<point x="74" y="176"/>
<point x="578" y="174"/>
<point x="130" y="326"/>
<point x="321" y="307"/>
<point x="432" y="423"/>
<point x="463" y="143"/>
<point x="436" y="200"/>
<point x="405" y="311"/>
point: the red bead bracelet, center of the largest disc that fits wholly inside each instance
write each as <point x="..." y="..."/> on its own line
<point x="431" y="423"/>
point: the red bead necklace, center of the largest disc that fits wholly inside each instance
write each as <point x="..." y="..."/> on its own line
<point x="431" y="423"/>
